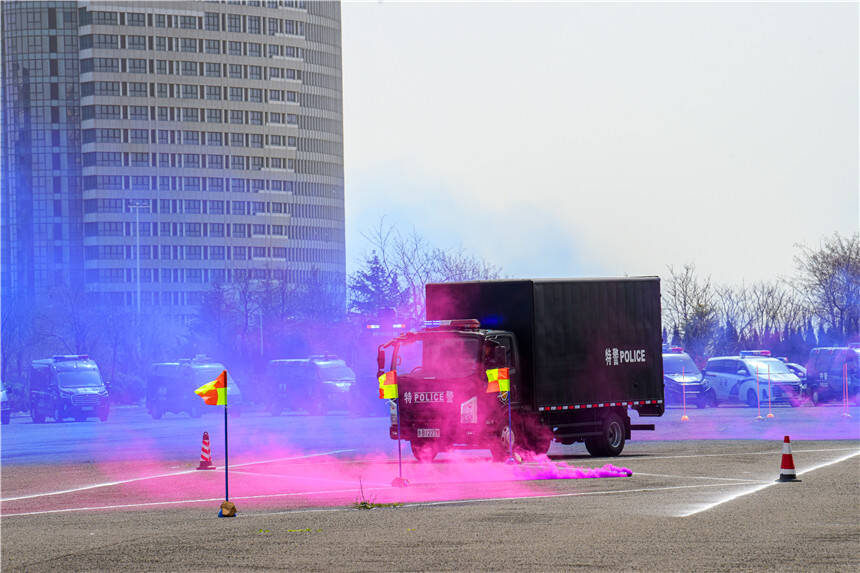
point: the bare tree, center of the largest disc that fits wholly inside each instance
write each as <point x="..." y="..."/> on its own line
<point x="416" y="262"/>
<point x="829" y="282"/>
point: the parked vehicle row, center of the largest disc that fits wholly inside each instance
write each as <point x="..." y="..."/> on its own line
<point x="754" y="377"/>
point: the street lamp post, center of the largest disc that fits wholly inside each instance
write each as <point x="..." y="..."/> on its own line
<point x="137" y="205"/>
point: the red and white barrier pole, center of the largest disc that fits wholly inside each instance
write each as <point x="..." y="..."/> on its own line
<point x="758" y="394"/>
<point x="769" y="395"/>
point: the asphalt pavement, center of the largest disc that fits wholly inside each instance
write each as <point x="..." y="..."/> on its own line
<point x="694" y="495"/>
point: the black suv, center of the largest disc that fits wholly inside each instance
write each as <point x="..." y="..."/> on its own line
<point x="170" y="387"/>
<point x="827" y="370"/>
<point x="67" y="386"/>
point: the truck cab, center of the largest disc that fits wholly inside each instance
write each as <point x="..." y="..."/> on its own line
<point x="442" y="383"/>
<point x="67" y="386"/>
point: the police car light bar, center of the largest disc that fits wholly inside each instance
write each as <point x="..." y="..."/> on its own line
<point x="373" y="326"/>
<point x="471" y="323"/>
<point x="755" y="353"/>
<point x="398" y="326"/>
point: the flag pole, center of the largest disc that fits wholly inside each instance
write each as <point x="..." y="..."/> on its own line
<point x="399" y="449"/>
<point x="226" y="463"/>
<point x="399" y="481"/>
<point x="510" y="431"/>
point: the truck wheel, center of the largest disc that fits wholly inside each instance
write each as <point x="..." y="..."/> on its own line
<point x="611" y="442"/>
<point x="752" y="402"/>
<point x="423" y="451"/>
<point x="536" y="438"/>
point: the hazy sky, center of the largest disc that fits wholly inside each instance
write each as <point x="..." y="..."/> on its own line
<point x="569" y="139"/>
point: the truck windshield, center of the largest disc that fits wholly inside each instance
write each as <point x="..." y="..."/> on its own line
<point x="442" y="354"/>
<point x="679" y="363"/>
<point x="79" y="379"/>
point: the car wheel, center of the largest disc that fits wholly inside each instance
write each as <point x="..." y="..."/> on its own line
<point x="80" y="418"/>
<point x="711" y="399"/>
<point x="423" y="451"/>
<point x="752" y="402"/>
<point x="611" y="442"/>
<point x="38" y="416"/>
<point x="6" y="417"/>
<point x="103" y="414"/>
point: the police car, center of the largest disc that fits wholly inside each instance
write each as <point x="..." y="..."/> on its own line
<point x="682" y="381"/>
<point x="747" y="377"/>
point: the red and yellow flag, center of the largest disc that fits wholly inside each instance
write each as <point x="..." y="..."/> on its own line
<point x="388" y="386"/>
<point x="214" y="393"/>
<point x="498" y="380"/>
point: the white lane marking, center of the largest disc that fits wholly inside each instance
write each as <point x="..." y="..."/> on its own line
<point x="732" y="497"/>
<point x="142" y="478"/>
<point x="703" y="477"/>
<point x="334" y="491"/>
<point x="767" y="453"/>
<point x="186" y="501"/>
<point x="306" y="478"/>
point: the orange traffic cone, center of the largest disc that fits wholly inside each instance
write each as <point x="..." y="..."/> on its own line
<point x="205" y="454"/>
<point x="786" y="469"/>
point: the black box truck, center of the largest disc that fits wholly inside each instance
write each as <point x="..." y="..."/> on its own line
<point x="578" y="353"/>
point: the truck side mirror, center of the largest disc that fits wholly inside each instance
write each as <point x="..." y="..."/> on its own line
<point x="499" y="355"/>
<point x="380" y="360"/>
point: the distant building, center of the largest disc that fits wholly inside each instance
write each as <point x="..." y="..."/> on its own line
<point x="220" y="122"/>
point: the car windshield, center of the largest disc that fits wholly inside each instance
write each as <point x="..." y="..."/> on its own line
<point x="336" y="373"/>
<point x="678" y="364"/>
<point x="210" y="373"/>
<point x="441" y="354"/>
<point x="290" y="369"/>
<point x="79" y="378"/>
<point x="762" y="364"/>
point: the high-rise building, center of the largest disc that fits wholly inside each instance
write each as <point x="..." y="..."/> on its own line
<point x="208" y="133"/>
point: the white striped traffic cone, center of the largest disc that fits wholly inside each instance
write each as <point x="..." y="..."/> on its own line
<point x="786" y="468"/>
<point x="205" y="454"/>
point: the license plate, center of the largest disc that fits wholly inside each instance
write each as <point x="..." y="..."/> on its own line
<point x="428" y="432"/>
